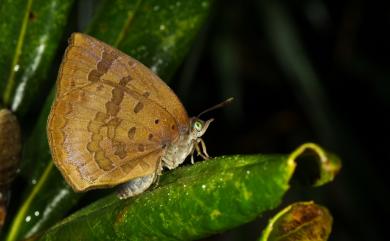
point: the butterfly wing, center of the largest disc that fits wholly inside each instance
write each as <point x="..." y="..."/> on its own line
<point x="112" y="117"/>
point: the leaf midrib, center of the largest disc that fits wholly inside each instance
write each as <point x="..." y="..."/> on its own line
<point x="18" y="51"/>
<point x="127" y="25"/>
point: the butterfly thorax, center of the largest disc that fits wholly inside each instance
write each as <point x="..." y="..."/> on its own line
<point x="177" y="151"/>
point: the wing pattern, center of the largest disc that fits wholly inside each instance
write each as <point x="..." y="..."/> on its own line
<point x="111" y="118"/>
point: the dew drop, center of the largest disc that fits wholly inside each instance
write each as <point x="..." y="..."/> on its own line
<point x="28" y="219"/>
<point x="36" y="213"/>
<point x="16" y="68"/>
<point x="154" y="69"/>
<point x="162" y="27"/>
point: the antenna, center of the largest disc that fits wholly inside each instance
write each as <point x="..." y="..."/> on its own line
<point x="222" y="104"/>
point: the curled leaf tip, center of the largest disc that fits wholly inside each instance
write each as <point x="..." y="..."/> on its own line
<point x="323" y="165"/>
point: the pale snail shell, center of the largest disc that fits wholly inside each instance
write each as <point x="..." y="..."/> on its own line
<point x="10" y="147"/>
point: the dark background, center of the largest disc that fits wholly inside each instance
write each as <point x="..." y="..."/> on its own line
<point x="301" y="71"/>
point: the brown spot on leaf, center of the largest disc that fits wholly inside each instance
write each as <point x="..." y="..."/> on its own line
<point x="303" y="221"/>
<point x="150" y="136"/>
<point x="32" y="16"/>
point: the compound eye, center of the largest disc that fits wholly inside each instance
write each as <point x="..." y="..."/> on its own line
<point x="198" y="126"/>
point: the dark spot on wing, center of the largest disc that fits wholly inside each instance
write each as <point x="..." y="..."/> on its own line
<point x="141" y="147"/>
<point x="131" y="132"/>
<point x="138" y="107"/>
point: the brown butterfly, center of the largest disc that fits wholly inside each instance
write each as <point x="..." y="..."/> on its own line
<point x="114" y="121"/>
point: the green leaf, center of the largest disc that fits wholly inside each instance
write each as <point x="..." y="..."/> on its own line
<point x="159" y="33"/>
<point x="304" y="221"/>
<point x="40" y="209"/>
<point x="196" y="201"/>
<point x="129" y="25"/>
<point x="30" y="34"/>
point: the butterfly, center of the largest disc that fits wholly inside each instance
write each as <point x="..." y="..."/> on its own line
<point x="113" y="121"/>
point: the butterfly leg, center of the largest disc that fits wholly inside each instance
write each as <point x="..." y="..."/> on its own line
<point x="204" y="148"/>
<point x="159" y="171"/>
<point x="192" y="153"/>
<point x="203" y="152"/>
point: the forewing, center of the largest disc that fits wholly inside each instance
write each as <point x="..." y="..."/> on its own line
<point x="111" y="118"/>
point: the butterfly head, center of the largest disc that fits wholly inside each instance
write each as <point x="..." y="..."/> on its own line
<point x="198" y="127"/>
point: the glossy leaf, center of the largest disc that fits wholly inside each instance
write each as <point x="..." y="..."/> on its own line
<point x="40" y="208"/>
<point x="304" y="221"/>
<point x="196" y="201"/>
<point x="30" y="35"/>
<point x="10" y="150"/>
<point x="159" y="33"/>
<point x="117" y="23"/>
